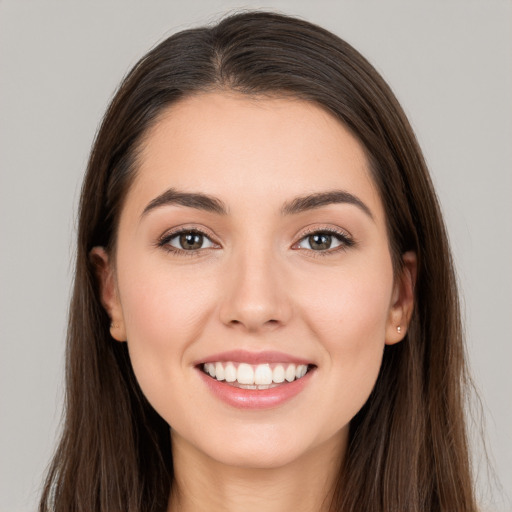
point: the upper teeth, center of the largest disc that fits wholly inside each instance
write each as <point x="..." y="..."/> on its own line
<point x="259" y="375"/>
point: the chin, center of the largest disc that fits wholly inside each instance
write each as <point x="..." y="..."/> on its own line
<point x="259" y="456"/>
<point x="268" y="446"/>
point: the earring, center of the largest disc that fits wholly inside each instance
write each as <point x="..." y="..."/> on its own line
<point x="399" y="329"/>
<point x="113" y="325"/>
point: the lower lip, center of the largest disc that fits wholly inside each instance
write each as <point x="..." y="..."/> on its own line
<point x="254" y="398"/>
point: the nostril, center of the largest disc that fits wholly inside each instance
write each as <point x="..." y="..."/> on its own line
<point x="253" y="320"/>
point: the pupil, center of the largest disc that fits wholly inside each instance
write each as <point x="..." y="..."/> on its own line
<point x="320" y="241"/>
<point x="191" y="240"/>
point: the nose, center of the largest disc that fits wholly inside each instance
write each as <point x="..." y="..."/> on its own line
<point x="254" y="295"/>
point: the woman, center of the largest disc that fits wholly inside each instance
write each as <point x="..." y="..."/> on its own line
<point x="265" y="311"/>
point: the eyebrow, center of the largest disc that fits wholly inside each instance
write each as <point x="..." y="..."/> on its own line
<point x="213" y="204"/>
<point x="319" y="199"/>
<point x="189" y="199"/>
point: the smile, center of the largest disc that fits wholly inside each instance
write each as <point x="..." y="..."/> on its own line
<point x="260" y="376"/>
<point x="256" y="380"/>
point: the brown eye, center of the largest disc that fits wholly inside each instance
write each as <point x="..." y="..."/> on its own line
<point x="189" y="241"/>
<point x="320" y="241"/>
<point x="325" y="241"/>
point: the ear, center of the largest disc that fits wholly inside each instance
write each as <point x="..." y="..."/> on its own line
<point x="402" y="302"/>
<point x="108" y="291"/>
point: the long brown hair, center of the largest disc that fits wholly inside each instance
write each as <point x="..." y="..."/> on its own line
<point x="408" y="449"/>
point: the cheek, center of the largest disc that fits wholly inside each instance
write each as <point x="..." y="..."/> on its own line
<point x="164" y="313"/>
<point x="351" y="305"/>
<point x="348" y="316"/>
<point x="161" y="303"/>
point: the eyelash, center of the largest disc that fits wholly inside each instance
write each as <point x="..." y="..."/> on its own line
<point x="163" y="242"/>
<point x="345" y="241"/>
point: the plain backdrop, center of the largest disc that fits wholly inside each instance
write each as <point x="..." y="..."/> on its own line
<point x="450" y="64"/>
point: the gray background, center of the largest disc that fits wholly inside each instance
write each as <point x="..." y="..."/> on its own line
<point x="450" y="65"/>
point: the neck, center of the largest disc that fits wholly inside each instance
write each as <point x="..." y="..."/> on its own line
<point x="306" y="484"/>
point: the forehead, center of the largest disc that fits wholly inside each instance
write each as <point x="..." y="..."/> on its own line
<point x="244" y="148"/>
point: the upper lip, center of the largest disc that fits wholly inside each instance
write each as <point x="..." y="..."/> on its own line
<point x="244" y="356"/>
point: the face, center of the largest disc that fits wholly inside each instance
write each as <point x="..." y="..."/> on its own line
<point x="252" y="248"/>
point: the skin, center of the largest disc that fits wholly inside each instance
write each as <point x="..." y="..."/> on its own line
<point x="259" y="285"/>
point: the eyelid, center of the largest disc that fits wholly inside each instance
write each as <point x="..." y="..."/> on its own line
<point x="326" y="228"/>
<point x="343" y="236"/>
<point x="163" y="240"/>
<point x="346" y="239"/>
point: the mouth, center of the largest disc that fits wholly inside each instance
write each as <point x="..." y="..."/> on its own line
<point x="255" y="376"/>
<point x="256" y="380"/>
